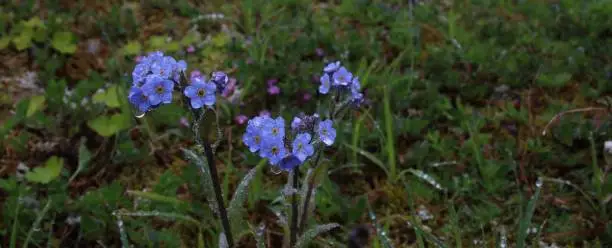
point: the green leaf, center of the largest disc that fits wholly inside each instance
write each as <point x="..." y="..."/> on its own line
<point x="35" y="105"/>
<point x="108" y="97"/>
<point x="24" y="39"/>
<point x="132" y="48"/>
<point x="311" y="233"/>
<point x="173" y="46"/>
<point x="64" y="42"/>
<point x="554" y="80"/>
<point x="46" y="173"/>
<point x="4" y="42"/>
<point x="157" y="42"/>
<point x="202" y="165"/>
<point x="107" y="126"/>
<point x="236" y="205"/>
<point x="34" y="22"/>
<point x="84" y="158"/>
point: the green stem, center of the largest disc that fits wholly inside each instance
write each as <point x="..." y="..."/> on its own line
<point x="15" y="225"/>
<point x="294" y="209"/>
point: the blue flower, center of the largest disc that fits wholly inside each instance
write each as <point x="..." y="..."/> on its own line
<point x="301" y="147"/>
<point x="356" y="94"/>
<point x="139" y="99"/>
<point x="296" y="123"/>
<point x="274" y="150"/>
<point x="252" y="138"/>
<point x="327" y="133"/>
<point x="332" y="67"/>
<point x="220" y="79"/>
<point x="179" y="67"/>
<point x="164" y="67"/>
<point x="200" y="93"/>
<point x="158" y="90"/>
<point x="140" y="72"/>
<point x="274" y="129"/>
<point x="289" y="162"/>
<point x="342" y="76"/>
<point x="325" y="84"/>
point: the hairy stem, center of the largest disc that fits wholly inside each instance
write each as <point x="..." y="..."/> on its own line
<point x="214" y="176"/>
<point x="219" y="196"/>
<point x="309" y="193"/>
<point x="294" y="209"/>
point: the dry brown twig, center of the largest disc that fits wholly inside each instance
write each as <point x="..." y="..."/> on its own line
<point x="559" y="115"/>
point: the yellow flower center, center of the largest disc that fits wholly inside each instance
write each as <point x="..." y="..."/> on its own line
<point x="159" y="89"/>
<point x="201" y="92"/>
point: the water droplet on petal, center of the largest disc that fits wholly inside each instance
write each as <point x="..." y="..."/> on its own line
<point x="140" y="115"/>
<point x="275" y="170"/>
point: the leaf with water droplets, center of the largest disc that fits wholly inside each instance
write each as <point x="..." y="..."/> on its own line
<point x="236" y="205"/>
<point x="223" y="241"/>
<point x="311" y="233"/>
<point x="206" y="179"/>
<point x="259" y="235"/>
<point x="427" y="178"/>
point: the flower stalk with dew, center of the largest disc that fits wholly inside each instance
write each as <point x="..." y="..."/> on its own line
<point x="154" y="78"/>
<point x="347" y="88"/>
<point x="287" y="149"/>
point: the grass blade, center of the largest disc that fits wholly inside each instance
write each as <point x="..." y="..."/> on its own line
<point x="39" y="219"/>
<point x="389" y="146"/>
<point x="13" y="242"/>
<point x="370" y="156"/>
<point x="527" y="216"/>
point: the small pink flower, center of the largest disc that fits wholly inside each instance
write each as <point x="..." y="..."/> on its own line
<point x="241" y="119"/>
<point x="320" y="52"/>
<point x="184" y="122"/>
<point x="273" y="90"/>
<point x="272" y="81"/>
<point x="190" y="49"/>
<point x="306" y="97"/>
<point x="138" y="59"/>
<point x="229" y="88"/>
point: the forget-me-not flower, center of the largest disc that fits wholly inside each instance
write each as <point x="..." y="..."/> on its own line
<point x="332" y="67"/>
<point x="326" y="132"/>
<point x="325" y="84"/>
<point x="158" y="90"/>
<point x="289" y="162"/>
<point x="342" y="77"/>
<point x="201" y="93"/>
<point x="274" y="129"/>
<point x="253" y="136"/>
<point x="164" y="67"/>
<point x="273" y="149"/>
<point x="356" y="94"/>
<point x="139" y="99"/>
<point x="301" y="147"/>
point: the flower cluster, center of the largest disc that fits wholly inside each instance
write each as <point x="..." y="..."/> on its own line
<point x="339" y="78"/>
<point x="201" y="92"/>
<point x="267" y="136"/>
<point x="153" y="81"/>
<point x="155" y="76"/>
